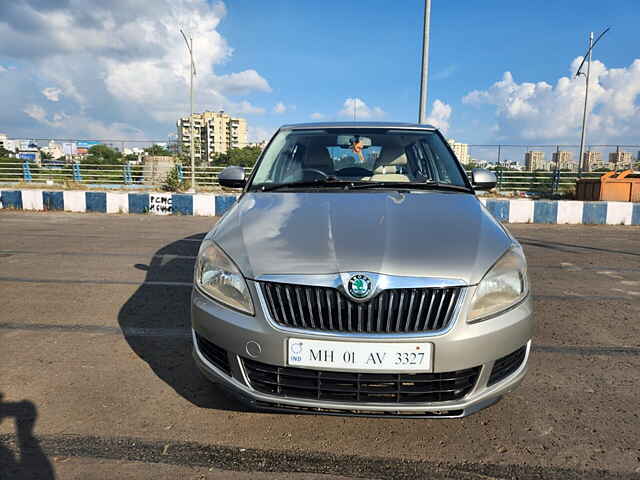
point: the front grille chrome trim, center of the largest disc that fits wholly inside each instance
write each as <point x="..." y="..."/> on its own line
<point x="383" y="282"/>
<point x="459" y="301"/>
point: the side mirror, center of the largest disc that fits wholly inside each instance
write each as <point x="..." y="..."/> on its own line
<point x="232" y="177"/>
<point x="483" y="179"/>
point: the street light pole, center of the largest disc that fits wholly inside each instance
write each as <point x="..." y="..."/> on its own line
<point x="585" y="112"/>
<point x="192" y="70"/>
<point x="424" y="77"/>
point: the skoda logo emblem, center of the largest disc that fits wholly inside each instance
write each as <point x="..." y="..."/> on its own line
<point x="359" y="286"/>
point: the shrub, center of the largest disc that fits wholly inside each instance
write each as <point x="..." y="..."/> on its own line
<point x="173" y="183"/>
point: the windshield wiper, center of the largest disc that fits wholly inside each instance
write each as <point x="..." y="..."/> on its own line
<point x="320" y="182"/>
<point x="428" y="185"/>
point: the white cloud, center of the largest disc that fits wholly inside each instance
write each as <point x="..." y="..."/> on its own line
<point x="242" y="83"/>
<point x="52" y="93"/>
<point x="543" y="112"/>
<point x="279" y="108"/>
<point x="362" y="110"/>
<point x="440" y="115"/>
<point x="121" y="62"/>
<point x="258" y="134"/>
<point x="3" y="69"/>
<point x="36" y="112"/>
<point x="246" y="107"/>
<point x="316" y="116"/>
<point x="40" y="115"/>
<point x="83" y="125"/>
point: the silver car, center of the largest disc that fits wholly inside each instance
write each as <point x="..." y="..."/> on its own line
<point x="359" y="274"/>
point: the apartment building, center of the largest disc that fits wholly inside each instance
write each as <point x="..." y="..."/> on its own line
<point x="591" y="160"/>
<point x="461" y="150"/>
<point x="534" y="160"/>
<point x="213" y="133"/>
<point x="620" y="160"/>
<point x="563" y="160"/>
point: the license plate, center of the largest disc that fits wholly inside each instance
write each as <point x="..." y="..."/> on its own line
<point x="399" y="357"/>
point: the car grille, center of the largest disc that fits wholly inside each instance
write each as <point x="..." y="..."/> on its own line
<point x="505" y="366"/>
<point x="215" y="354"/>
<point x="360" y="387"/>
<point x="391" y="311"/>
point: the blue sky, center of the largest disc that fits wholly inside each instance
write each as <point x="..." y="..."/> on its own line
<point x="80" y="68"/>
<point x="315" y="57"/>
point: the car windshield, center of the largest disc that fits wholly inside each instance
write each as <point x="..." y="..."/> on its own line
<point x="367" y="156"/>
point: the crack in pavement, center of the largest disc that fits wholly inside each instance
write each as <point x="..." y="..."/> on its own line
<point x="257" y="460"/>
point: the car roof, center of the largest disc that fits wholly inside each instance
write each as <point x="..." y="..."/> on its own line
<point x="328" y="125"/>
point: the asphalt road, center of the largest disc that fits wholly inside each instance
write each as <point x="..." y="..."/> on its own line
<point x="97" y="379"/>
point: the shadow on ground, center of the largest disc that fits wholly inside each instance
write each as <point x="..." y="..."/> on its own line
<point x="26" y="460"/>
<point x="155" y="321"/>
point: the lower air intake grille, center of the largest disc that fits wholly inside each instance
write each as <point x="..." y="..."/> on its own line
<point x="391" y="311"/>
<point x="505" y="366"/>
<point x="216" y="355"/>
<point x="360" y="387"/>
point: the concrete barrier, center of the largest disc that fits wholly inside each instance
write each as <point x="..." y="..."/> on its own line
<point x="505" y="210"/>
<point x="563" y="211"/>
<point x="117" y="202"/>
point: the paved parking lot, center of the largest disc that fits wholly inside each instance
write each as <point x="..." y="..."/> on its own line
<point x="97" y="380"/>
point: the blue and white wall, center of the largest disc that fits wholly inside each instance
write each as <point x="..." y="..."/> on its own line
<point x="510" y="211"/>
<point x="111" y="202"/>
<point x="563" y="211"/>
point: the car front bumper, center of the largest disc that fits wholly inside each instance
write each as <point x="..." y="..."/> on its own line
<point x="461" y="347"/>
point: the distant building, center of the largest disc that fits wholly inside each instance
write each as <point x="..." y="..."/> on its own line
<point x="620" y="160"/>
<point x="7" y="144"/>
<point x="213" y="132"/>
<point x="29" y="151"/>
<point x="534" y="160"/>
<point x="461" y="150"/>
<point x="53" y="149"/>
<point x="137" y="151"/>
<point x="563" y="160"/>
<point x="261" y="144"/>
<point x="591" y="160"/>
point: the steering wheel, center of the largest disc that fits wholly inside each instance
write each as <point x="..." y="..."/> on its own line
<point x="353" y="172"/>
<point x="316" y="171"/>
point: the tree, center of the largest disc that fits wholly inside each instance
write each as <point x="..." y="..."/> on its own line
<point x="103" y="155"/>
<point x="157" y="150"/>
<point x="4" y="152"/>
<point x="242" y="157"/>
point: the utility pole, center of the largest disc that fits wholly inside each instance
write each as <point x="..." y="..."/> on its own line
<point x="424" y="77"/>
<point x="192" y="70"/>
<point x="586" y="99"/>
<point x="586" y="57"/>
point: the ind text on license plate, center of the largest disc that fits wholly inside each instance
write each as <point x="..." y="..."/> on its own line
<point x="360" y="355"/>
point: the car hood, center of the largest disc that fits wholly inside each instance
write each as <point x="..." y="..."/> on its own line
<point x="418" y="234"/>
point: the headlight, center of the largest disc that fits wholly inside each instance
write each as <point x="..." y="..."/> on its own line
<point x="218" y="277"/>
<point x="504" y="285"/>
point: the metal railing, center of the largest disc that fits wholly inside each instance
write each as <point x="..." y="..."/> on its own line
<point x="502" y="158"/>
<point x="125" y="174"/>
<point x="132" y="175"/>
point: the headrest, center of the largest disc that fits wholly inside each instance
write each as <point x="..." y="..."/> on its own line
<point x="386" y="170"/>
<point x="317" y="156"/>
<point x="391" y="155"/>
